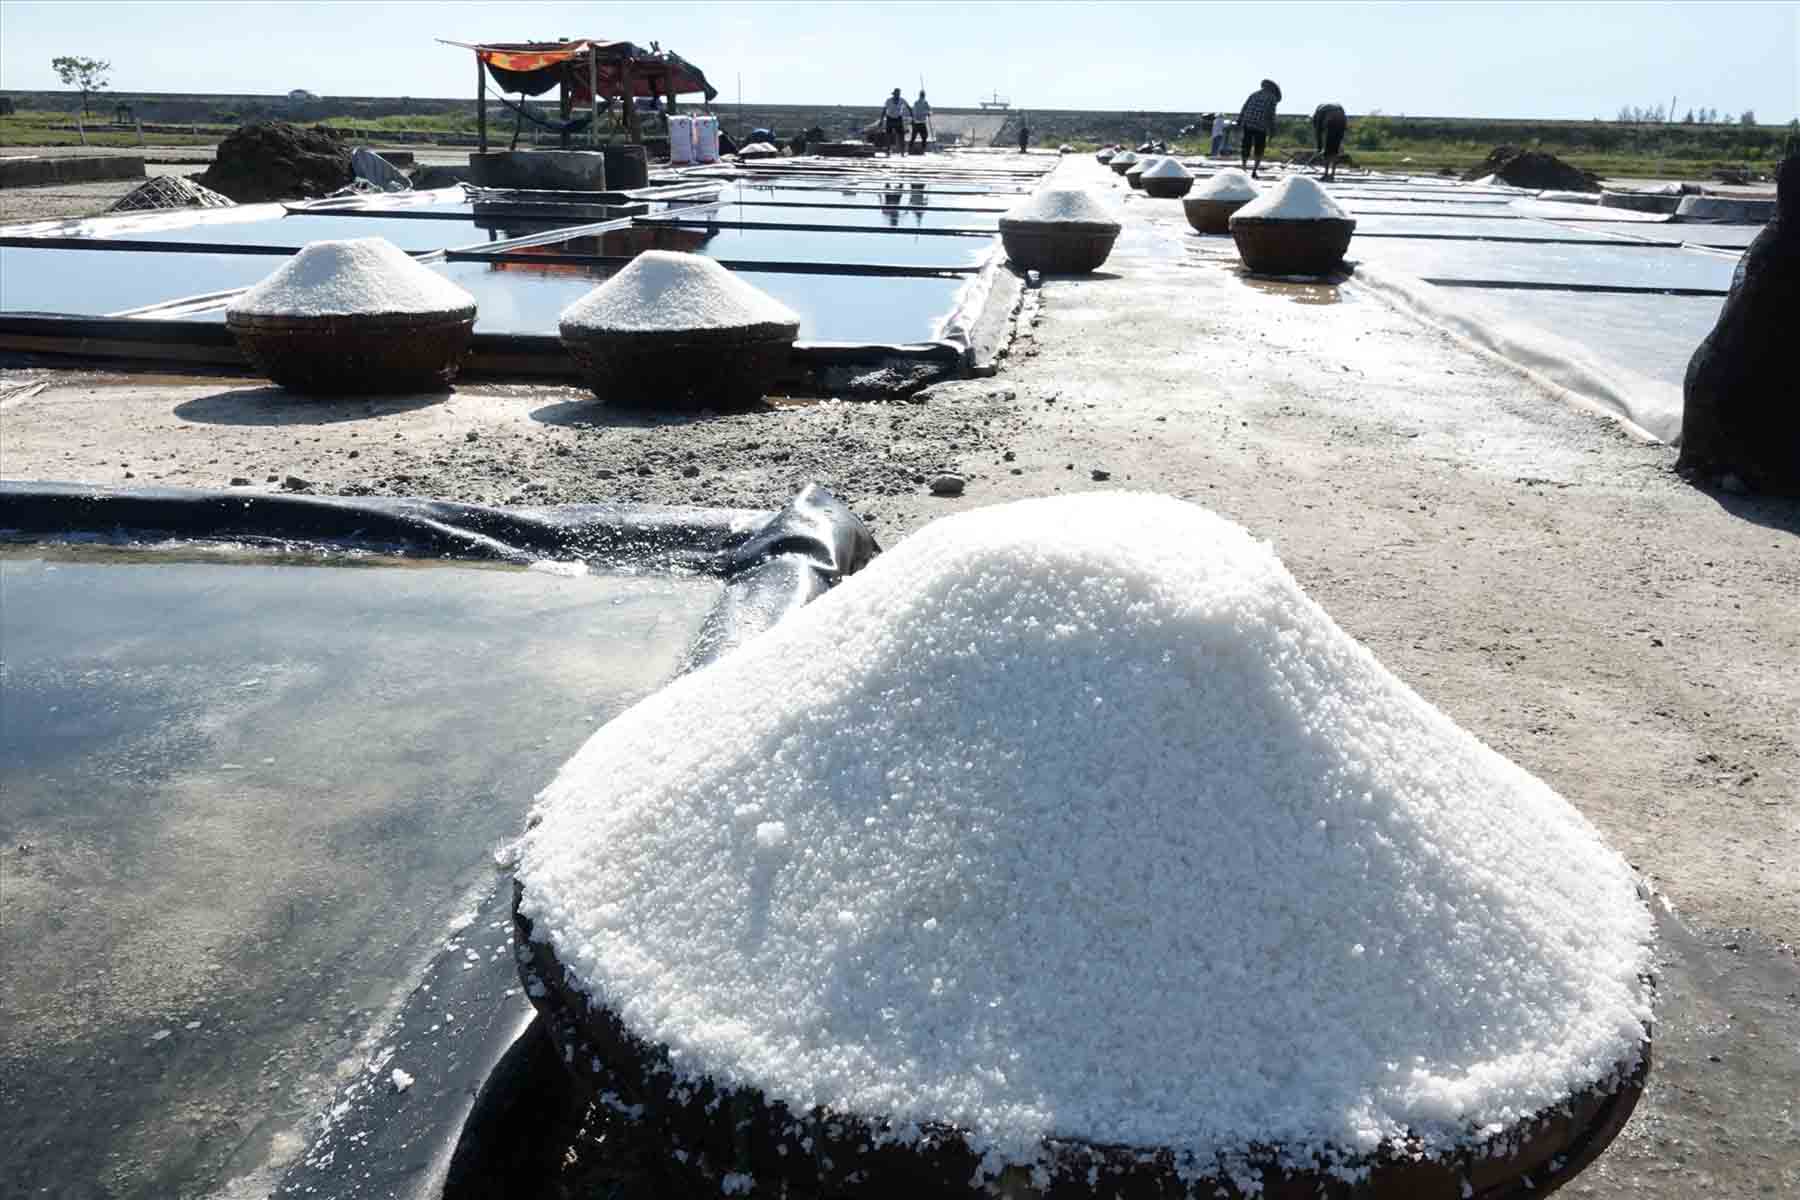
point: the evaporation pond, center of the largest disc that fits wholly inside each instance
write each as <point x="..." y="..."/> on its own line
<point x="529" y="297"/>
<point x="92" y="283"/>
<point x="1523" y="229"/>
<point x="898" y="212"/>
<point x="897" y="249"/>
<point x="246" y="800"/>
<point x="296" y="230"/>
<point x="1551" y="263"/>
<point x="1652" y="335"/>
<point x="910" y="196"/>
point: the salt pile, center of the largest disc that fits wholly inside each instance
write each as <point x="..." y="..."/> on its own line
<point x="1296" y="198"/>
<point x="1165" y="168"/>
<point x="1059" y="205"/>
<point x="1076" y="817"/>
<point x="355" y="277"/>
<point x="664" y="290"/>
<point x="1227" y="185"/>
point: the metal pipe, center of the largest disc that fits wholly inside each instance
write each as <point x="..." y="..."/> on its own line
<point x="481" y="102"/>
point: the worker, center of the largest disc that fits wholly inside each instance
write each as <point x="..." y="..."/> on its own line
<point x="1257" y="120"/>
<point x="1329" y="123"/>
<point x="1221" y="138"/>
<point x="1024" y="135"/>
<point x="921" y="121"/>
<point x="893" y="122"/>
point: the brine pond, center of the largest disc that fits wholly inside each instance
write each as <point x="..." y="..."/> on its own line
<point x="249" y="796"/>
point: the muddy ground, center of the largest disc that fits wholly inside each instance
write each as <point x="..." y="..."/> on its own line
<point x="1542" y="577"/>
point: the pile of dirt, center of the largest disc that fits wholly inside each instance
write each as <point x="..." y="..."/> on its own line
<point x="278" y="161"/>
<point x="1534" y="169"/>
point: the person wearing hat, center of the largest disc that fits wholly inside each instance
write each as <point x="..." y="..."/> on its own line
<point x="893" y="122"/>
<point x="1329" y="123"/>
<point x="921" y="124"/>
<point x="1257" y="120"/>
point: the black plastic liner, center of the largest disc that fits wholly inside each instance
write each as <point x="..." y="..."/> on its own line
<point x="771" y="563"/>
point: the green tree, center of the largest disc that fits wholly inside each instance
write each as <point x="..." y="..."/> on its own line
<point x="86" y="74"/>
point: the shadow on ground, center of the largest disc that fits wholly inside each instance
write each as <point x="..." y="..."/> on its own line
<point x="277" y="406"/>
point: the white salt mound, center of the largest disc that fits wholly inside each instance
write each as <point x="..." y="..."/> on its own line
<point x="354" y="277"/>
<point x="662" y="290"/>
<point x="1062" y="204"/>
<point x="1125" y="156"/>
<point x="1226" y="185"/>
<point x="1077" y="817"/>
<point x="1296" y="198"/>
<point x="1165" y="168"/>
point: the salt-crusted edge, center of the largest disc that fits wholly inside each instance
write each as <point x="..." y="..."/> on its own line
<point x="720" y="1131"/>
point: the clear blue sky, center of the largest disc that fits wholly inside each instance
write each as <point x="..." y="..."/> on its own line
<point x="1441" y="59"/>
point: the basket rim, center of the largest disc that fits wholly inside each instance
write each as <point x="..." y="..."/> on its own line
<point x="1613" y="1097"/>
<point x="1277" y="223"/>
<point x="731" y="335"/>
<point x="349" y="323"/>
<point x="1028" y="226"/>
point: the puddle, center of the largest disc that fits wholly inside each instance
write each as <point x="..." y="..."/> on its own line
<point x="1296" y="290"/>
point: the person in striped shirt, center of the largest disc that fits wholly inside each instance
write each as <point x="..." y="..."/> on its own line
<point x="1257" y="120"/>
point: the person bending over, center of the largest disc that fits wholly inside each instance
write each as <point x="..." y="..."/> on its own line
<point x="1257" y="120"/>
<point x="1329" y="123"/>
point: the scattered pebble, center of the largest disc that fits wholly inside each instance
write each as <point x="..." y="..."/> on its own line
<point x="947" y="485"/>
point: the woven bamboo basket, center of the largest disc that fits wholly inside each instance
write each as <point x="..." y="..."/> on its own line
<point x="1134" y="174"/>
<point x="1104" y="156"/>
<point x="1057" y="247"/>
<point x="1210" y="216"/>
<point x="1119" y="168"/>
<point x="1167" y="188"/>
<point x="356" y="354"/>
<point x="682" y="368"/>
<point x="708" y="1128"/>
<point x="1289" y="247"/>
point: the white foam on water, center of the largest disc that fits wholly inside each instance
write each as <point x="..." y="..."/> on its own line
<point x="1076" y="817"/>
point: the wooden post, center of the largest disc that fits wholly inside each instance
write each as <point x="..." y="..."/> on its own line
<point x="481" y="103"/>
<point x="593" y="96"/>
<point x="562" y="109"/>
<point x="629" y="88"/>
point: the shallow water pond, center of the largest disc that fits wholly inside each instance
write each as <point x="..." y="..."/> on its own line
<point x="245" y="800"/>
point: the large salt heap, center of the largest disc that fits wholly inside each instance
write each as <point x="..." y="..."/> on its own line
<point x="1077" y="819"/>
<point x="679" y="330"/>
<point x="356" y="315"/>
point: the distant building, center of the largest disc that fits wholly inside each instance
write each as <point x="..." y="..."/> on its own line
<point x="300" y="96"/>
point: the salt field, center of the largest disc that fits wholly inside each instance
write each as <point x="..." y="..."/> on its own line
<point x="1322" y="649"/>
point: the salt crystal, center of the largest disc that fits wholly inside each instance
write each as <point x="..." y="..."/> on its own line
<point x="400" y="1079"/>
<point x="1226" y="185"/>
<point x="1296" y="198"/>
<point x="667" y="290"/>
<point x="1142" y="930"/>
<point x="1062" y="204"/>
<point x="358" y="276"/>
